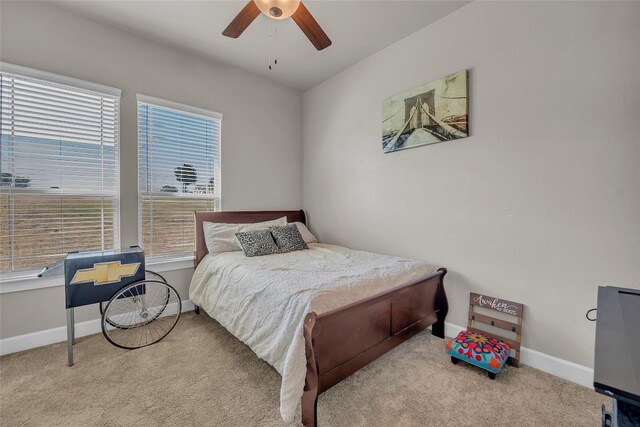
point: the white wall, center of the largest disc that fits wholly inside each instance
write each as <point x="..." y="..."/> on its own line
<point x="541" y="204"/>
<point x="261" y="130"/>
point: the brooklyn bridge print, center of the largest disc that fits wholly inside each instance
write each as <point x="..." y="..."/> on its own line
<point x="431" y="113"/>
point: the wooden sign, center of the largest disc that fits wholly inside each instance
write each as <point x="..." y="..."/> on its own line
<point x="497" y="304"/>
<point x="503" y="306"/>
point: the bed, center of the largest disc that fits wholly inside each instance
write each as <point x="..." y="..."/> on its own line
<point x="318" y="315"/>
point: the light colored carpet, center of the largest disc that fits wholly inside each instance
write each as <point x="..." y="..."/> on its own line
<point x="201" y="375"/>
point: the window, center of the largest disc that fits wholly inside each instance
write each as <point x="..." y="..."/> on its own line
<point x="59" y="166"/>
<point x="179" y="173"/>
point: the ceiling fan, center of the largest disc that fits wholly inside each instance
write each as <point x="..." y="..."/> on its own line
<point x="278" y="10"/>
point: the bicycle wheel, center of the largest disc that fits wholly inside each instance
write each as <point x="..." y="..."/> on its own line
<point x="149" y="275"/>
<point x="143" y="312"/>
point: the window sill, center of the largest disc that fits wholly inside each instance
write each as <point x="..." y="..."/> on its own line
<point x="168" y="264"/>
<point x="30" y="282"/>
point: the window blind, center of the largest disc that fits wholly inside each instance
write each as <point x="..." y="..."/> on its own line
<point x="59" y="171"/>
<point x="179" y="173"/>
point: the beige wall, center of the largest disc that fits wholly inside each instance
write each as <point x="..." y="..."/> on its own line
<point x="261" y="130"/>
<point x="540" y="205"/>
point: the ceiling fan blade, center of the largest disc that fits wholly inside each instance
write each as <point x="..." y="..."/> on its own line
<point x="311" y="28"/>
<point x="242" y="21"/>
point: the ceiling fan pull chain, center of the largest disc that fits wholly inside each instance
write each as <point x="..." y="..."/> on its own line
<point x="275" y="57"/>
<point x="269" y="41"/>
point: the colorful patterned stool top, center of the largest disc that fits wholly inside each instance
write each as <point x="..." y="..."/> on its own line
<point x="480" y="350"/>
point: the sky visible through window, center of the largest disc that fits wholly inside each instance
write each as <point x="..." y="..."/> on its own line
<point x="169" y="140"/>
<point x="47" y="164"/>
<point x="177" y="151"/>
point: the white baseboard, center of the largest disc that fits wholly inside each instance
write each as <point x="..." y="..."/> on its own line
<point x="553" y="365"/>
<point x="54" y="335"/>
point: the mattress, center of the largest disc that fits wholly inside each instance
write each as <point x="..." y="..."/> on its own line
<point x="263" y="300"/>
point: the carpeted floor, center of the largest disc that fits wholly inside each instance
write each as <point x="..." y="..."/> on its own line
<point x="200" y="375"/>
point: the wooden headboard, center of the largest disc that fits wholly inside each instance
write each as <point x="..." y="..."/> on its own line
<point x="240" y="217"/>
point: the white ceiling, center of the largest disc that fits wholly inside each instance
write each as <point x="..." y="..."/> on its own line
<point x="357" y="28"/>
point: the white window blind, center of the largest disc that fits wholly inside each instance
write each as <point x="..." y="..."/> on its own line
<point x="179" y="173"/>
<point x="59" y="166"/>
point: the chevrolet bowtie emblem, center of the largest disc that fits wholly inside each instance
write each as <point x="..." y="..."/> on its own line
<point x="105" y="272"/>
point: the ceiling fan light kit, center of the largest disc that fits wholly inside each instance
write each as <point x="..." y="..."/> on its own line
<point x="279" y="10"/>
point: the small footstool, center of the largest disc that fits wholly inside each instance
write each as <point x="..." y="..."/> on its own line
<point x="480" y="350"/>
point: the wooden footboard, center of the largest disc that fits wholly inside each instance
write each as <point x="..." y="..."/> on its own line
<point x="340" y="342"/>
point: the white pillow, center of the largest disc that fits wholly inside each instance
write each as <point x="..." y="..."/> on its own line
<point x="306" y="234"/>
<point x="220" y="237"/>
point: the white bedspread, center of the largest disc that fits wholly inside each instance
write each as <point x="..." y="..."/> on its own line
<point x="263" y="300"/>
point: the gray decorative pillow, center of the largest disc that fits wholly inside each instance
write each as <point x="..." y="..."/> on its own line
<point x="288" y="238"/>
<point x="257" y="243"/>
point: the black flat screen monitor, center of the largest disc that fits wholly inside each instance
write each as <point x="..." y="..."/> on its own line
<point x="617" y="355"/>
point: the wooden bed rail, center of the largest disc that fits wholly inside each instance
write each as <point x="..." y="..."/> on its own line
<point x="342" y="341"/>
